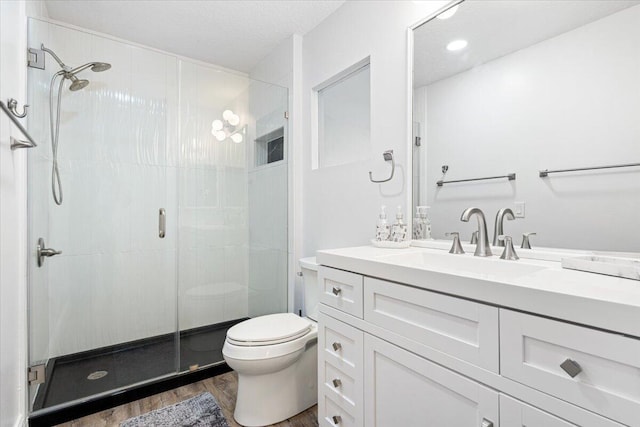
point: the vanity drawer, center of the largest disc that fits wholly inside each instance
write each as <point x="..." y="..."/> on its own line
<point x="330" y="414"/>
<point x="460" y="328"/>
<point x="607" y="375"/>
<point x="341" y="345"/>
<point x="341" y="289"/>
<point x="340" y="386"/>
<point x="514" y="413"/>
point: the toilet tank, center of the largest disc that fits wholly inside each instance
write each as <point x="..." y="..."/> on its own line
<point x="309" y="269"/>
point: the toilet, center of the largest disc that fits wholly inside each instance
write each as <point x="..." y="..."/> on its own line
<point x="275" y="357"/>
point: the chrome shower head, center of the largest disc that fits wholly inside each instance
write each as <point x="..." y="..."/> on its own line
<point x="100" y="66"/>
<point x="77" y="84"/>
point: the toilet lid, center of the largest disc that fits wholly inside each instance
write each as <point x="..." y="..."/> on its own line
<point x="269" y="329"/>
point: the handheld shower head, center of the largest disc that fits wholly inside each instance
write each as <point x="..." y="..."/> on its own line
<point x="69" y="73"/>
<point x="77" y="84"/>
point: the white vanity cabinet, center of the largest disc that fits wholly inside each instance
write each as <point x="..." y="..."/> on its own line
<point x="407" y="356"/>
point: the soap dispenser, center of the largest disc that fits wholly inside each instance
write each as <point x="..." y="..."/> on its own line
<point x="383" y="230"/>
<point x="421" y="224"/>
<point x="426" y="221"/>
<point x="399" y="228"/>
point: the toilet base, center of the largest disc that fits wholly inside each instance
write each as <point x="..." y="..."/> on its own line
<point x="270" y="398"/>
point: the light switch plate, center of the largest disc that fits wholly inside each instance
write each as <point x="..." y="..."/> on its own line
<point x="518" y="211"/>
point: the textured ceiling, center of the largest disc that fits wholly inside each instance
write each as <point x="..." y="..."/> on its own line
<point x="232" y="34"/>
<point x="497" y="28"/>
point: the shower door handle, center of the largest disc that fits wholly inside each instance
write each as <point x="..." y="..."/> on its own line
<point x="42" y="251"/>
<point x="162" y="223"/>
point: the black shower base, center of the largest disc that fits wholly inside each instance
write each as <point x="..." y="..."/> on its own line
<point x="131" y="363"/>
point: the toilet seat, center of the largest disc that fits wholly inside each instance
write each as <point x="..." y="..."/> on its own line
<point x="305" y="331"/>
<point x="268" y="330"/>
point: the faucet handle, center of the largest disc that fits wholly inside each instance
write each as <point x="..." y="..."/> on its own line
<point x="509" y="252"/>
<point x="456" y="248"/>
<point x="526" y="244"/>
<point x="474" y="237"/>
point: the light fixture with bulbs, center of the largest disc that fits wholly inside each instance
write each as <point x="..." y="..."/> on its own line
<point x="228" y="127"/>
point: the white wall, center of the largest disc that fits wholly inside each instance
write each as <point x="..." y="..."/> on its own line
<point x="340" y="203"/>
<point x="13" y="339"/>
<point x="570" y="101"/>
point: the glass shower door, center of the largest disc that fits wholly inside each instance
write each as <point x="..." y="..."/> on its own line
<point x="103" y="312"/>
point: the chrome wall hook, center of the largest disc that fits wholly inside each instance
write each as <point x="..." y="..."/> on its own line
<point x="12" y="104"/>
<point x="388" y="156"/>
<point x="15" y="143"/>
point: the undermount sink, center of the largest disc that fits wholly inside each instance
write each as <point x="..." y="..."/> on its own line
<point x="465" y="264"/>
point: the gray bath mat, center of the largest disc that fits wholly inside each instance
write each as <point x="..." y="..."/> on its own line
<point x="199" y="411"/>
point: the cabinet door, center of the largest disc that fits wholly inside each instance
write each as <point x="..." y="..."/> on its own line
<point x="402" y="389"/>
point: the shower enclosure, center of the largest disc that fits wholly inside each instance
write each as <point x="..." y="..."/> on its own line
<point x="173" y="225"/>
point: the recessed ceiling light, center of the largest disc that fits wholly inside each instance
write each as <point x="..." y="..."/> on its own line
<point x="448" y="13"/>
<point x="457" y="45"/>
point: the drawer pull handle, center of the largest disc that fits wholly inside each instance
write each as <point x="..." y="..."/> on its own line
<point x="487" y="423"/>
<point x="337" y="419"/>
<point x="337" y="383"/>
<point x="336" y="291"/>
<point x="336" y="346"/>
<point x="571" y="367"/>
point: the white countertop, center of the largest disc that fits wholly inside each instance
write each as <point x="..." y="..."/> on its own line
<point x="536" y="286"/>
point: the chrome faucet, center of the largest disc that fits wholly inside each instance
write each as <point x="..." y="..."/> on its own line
<point x="498" y="230"/>
<point x="482" y="248"/>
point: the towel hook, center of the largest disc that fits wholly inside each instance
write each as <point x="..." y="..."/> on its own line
<point x="388" y="156"/>
<point x="15" y="143"/>
<point x="12" y="104"/>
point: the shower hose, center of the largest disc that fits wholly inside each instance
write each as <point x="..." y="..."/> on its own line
<point x="56" y="184"/>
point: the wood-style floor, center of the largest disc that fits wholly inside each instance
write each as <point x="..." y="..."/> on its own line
<point x="223" y="387"/>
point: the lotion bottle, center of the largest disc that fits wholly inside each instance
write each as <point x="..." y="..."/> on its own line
<point x="399" y="228"/>
<point x="383" y="230"/>
<point x="426" y="221"/>
<point x="418" y="224"/>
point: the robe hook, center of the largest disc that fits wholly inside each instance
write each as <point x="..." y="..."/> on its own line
<point x="12" y="104"/>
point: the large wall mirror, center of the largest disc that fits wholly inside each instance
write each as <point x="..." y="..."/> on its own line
<point x="507" y="89"/>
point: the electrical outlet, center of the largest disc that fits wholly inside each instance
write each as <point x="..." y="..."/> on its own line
<point x="518" y="211"/>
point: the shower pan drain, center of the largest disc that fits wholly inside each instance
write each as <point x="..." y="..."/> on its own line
<point x="97" y="375"/>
